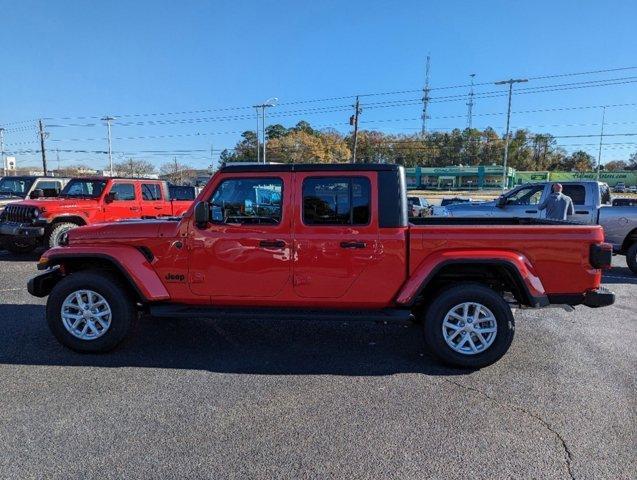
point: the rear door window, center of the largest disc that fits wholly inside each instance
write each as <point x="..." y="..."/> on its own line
<point x="151" y="191"/>
<point x="576" y="192"/>
<point x="336" y="201"/>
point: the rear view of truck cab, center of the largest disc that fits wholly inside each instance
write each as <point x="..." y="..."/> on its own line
<point x="320" y="241"/>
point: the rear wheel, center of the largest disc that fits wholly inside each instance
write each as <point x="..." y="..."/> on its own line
<point x="469" y="325"/>
<point x="90" y="312"/>
<point x="631" y="257"/>
<point x="17" y="245"/>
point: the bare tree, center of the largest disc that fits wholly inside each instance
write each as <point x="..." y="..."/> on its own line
<point x="134" y="168"/>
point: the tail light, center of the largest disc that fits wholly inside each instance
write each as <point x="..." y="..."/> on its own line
<point x="600" y="255"/>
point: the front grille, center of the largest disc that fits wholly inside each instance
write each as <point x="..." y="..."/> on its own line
<point x="18" y="214"/>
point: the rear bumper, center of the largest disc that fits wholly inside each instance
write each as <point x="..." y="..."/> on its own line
<point x="21" y="230"/>
<point x="599" y="297"/>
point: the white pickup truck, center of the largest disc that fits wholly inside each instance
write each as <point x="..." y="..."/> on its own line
<point x="592" y="203"/>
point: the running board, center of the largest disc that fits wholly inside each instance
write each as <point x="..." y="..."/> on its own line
<point x="172" y="310"/>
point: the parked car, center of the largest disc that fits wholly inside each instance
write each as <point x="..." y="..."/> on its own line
<point x="592" y="202"/>
<point x="329" y="241"/>
<point x="619" y="187"/>
<point x="15" y="189"/>
<point x="84" y="201"/>
<point x="632" y="189"/>
<point x="454" y="200"/>
<point x="624" y="202"/>
<point x="418" y="206"/>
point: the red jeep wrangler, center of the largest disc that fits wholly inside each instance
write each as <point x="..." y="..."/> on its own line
<point x="332" y="240"/>
<point x="84" y="201"/>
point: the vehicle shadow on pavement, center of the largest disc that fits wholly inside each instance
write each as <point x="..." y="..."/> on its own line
<point x="33" y="256"/>
<point x="268" y="347"/>
<point x="619" y="275"/>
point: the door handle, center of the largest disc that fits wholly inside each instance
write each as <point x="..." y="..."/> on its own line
<point x="272" y="244"/>
<point x="353" y="244"/>
<point x="530" y="211"/>
<point x="134" y="209"/>
<point x="157" y="207"/>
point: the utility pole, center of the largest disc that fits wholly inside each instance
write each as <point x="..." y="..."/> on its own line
<point x="510" y="83"/>
<point x="470" y="103"/>
<point x="271" y="102"/>
<point x="353" y="120"/>
<point x="601" y="141"/>
<point x="43" y="135"/>
<point x="256" y="108"/>
<point x="57" y="154"/>
<point x="4" y="162"/>
<point x="212" y="158"/>
<point x="425" y="100"/>
<point x="108" y="121"/>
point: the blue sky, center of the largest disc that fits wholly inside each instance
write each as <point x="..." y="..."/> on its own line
<point x="74" y="61"/>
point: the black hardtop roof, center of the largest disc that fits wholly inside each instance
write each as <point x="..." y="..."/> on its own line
<point x="97" y="177"/>
<point x="311" y="167"/>
<point x="36" y="176"/>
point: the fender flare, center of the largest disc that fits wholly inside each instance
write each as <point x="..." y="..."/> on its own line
<point x="515" y="263"/>
<point x="136" y="268"/>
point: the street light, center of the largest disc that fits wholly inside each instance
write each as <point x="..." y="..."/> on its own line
<point x="509" y="82"/>
<point x="108" y="121"/>
<point x="270" y="102"/>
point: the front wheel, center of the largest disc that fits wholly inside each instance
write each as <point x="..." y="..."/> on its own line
<point x="469" y="325"/>
<point x="90" y="312"/>
<point x="631" y="258"/>
<point x="57" y="233"/>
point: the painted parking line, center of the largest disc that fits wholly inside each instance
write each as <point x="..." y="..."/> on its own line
<point x="11" y="290"/>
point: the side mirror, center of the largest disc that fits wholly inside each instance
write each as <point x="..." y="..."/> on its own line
<point x="110" y="197"/>
<point x="502" y="201"/>
<point x="37" y="193"/>
<point x="202" y="214"/>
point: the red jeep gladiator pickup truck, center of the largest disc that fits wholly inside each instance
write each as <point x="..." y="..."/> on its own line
<point x="321" y="241"/>
<point x="84" y="201"/>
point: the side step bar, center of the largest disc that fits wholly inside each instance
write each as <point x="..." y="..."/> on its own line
<point x="175" y="310"/>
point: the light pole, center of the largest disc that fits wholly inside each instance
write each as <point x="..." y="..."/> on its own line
<point x="601" y="141"/>
<point x="510" y="82"/>
<point x="270" y="102"/>
<point x="4" y="164"/>
<point x="108" y="121"/>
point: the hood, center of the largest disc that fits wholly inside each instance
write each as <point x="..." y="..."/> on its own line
<point x="488" y="203"/>
<point x="6" y="200"/>
<point x="125" y="230"/>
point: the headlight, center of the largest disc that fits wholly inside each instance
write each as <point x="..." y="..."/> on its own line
<point x="35" y="213"/>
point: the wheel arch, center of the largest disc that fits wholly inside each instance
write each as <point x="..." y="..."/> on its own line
<point x="136" y="272"/>
<point x="499" y="273"/>
<point x="629" y="240"/>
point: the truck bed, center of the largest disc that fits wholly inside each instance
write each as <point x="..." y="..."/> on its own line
<point x="486" y="221"/>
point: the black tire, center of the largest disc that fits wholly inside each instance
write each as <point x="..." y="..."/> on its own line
<point x="631" y="258"/>
<point x="456" y="295"/>
<point x="53" y="240"/>
<point x="122" y="307"/>
<point x="16" y="245"/>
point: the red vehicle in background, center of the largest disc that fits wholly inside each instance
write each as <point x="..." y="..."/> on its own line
<point x="85" y="201"/>
<point x="321" y="241"/>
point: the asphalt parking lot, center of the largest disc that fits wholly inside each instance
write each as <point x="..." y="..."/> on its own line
<point x="285" y="399"/>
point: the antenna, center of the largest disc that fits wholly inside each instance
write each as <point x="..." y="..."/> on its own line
<point x="470" y="103"/>
<point x="425" y="99"/>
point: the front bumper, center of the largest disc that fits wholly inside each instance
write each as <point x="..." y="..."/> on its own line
<point x="24" y="230"/>
<point x="41" y="285"/>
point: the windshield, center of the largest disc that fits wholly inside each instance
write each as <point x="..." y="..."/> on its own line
<point x="15" y="186"/>
<point x="80" y="188"/>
